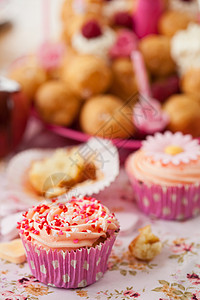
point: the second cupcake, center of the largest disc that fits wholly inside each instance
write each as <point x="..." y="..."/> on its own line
<point x="165" y="175"/>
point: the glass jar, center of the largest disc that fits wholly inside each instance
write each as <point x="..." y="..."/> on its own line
<point x="14" y="112"/>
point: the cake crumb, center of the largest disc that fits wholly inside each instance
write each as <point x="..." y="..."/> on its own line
<point x="146" y="245"/>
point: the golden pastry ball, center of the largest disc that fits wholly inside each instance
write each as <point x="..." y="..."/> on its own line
<point x="190" y="82"/>
<point x="156" y="52"/>
<point x="66" y="10"/>
<point x="124" y="82"/>
<point x="107" y="116"/>
<point x="56" y="104"/>
<point x="173" y="21"/>
<point x="30" y="76"/>
<point x="69" y="8"/>
<point x="184" y="113"/>
<point x="65" y="60"/>
<point x="87" y="75"/>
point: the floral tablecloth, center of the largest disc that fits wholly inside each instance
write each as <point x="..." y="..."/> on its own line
<point x="173" y="275"/>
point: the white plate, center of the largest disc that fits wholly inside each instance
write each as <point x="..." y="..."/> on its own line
<point x="106" y="161"/>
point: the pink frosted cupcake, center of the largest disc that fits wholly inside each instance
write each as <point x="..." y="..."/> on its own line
<point x="165" y="174"/>
<point x="68" y="245"/>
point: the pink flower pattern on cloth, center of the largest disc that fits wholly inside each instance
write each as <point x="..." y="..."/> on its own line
<point x="9" y="295"/>
<point x="155" y="146"/>
<point x="152" y="281"/>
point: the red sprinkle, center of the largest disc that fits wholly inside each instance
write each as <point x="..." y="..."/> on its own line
<point x="75" y="241"/>
<point x="38" y="208"/>
<point x="58" y="223"/>
<point x="45" y="206"/>
<point x="36" y="232"/>
<point x="41" y="226"/>
<point x="63" y="207"/>
<point x="48" y="229"/>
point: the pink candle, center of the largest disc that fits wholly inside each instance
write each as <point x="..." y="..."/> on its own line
<point x="148" y="116"/>
<point x="49" y="54"/>
<point x="141" y="74"/>
<point x="146" y="17"/>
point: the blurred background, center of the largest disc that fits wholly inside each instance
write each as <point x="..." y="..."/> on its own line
<point x="24" y="33"/>
<point x="118" y="69"/>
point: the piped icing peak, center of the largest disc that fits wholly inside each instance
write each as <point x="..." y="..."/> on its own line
<point x="94" y="39"/>
<point x="68" y="226"/>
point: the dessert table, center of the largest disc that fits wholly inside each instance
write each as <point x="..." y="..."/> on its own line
<point x="174" y="274"/>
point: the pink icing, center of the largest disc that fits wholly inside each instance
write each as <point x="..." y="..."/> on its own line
<point x="77" y="223"/>
<point x="50" y="55"/>
<point x="148" y="116"/>
<point x="145" y="169"/>
<point x="126" y="42"/>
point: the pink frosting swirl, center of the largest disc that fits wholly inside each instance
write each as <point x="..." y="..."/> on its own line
<point x="145" y="169"/>
<point x="75" y="224"/>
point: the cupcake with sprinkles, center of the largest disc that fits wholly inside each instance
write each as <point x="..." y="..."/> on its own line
<point x="68" y="244"/>
<point x="165" y="175"/>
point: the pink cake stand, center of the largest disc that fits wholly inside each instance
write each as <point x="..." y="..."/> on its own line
<point x="77" y="135"/>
